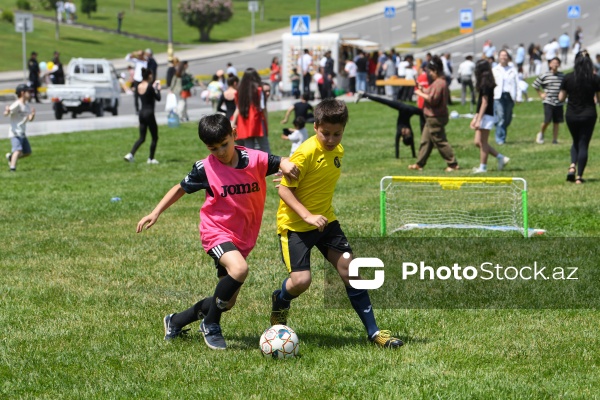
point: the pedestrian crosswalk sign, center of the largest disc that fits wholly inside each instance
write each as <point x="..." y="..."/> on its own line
<point x="300" y="25"/>
<point x="574" y="12"/>
<point x="466" y="20"/>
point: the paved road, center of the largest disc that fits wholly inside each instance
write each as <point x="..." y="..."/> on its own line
<point x="539" y="27"/>
<point x="433" y="16"/>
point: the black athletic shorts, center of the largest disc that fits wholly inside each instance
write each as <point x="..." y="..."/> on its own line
<point x="553" y="114"/>
<point x="217" y="252"/>
<point x="296" y="246"/>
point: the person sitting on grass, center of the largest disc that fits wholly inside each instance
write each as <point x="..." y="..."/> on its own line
<point x="234" y="180"/>
<point x="305" y="219"/>
<point x="298" y="136"/>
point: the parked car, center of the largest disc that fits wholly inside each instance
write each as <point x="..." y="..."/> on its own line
<point x="91" y="84"/>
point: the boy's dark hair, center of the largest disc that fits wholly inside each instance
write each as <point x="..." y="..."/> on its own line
<point x="331" y="111"/>
<point x="555" y="58"/>
<point x="299" y="122"/>
<point x="214" y="128"/>
<point x="305" y="96"/>
<point x="22" y="88"/>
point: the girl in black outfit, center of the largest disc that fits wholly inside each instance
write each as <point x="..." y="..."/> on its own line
<point x="149" y="94"/>
<point x="228" y="97"/>
<point x="580" y="86"/>
<point x="404" y="130"/>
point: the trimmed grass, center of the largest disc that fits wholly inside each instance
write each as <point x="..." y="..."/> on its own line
<point x="432" y="40"/>
<point x="74" y="42"/>
<point x="82" y="296"/>
<point x="149" y="19"/>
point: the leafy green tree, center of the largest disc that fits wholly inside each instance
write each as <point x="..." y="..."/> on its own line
<point x="48" y="4"/>
<point x="205" y="14"/>
<point x="88" y="6"/>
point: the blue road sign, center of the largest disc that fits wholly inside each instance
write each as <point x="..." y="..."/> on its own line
<point x="300" y="25"/>
<point x="466" y="18"/>
<point x="389" y="12"/>
<point x="574" y="12"/>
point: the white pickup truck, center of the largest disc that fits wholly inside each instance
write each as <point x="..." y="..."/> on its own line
<point x="91" y="84"/>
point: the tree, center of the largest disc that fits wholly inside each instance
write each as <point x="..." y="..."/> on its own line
<point x="205" y="14"/>
<point x="88" y="6"/>
<point x="48" y="4"/>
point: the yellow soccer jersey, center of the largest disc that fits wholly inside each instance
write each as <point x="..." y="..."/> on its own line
<point x="320" y="170"/>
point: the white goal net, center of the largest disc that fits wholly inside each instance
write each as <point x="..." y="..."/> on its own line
<point x="409" y="202"/>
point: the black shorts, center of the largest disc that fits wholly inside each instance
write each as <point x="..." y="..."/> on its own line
<point x="296" y="246"/>
<point x="217" y="252"/>
<point x="553" y="114"/>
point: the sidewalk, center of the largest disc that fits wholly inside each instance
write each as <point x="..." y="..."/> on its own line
<point x="247" y="43"/>
<point x="41" y="128"/>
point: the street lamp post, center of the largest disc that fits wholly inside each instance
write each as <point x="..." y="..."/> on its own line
<point x="318" y="15"/>
<point x="56" y="29"/>
<point x="484" y="7"/>
<point x="170" y="43"/>
<point x="413" y="26"/>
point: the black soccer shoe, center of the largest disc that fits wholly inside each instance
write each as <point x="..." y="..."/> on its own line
<point x="386" y="340"/>
<point x="171" y="331"/>
<point x="278" y="315"/>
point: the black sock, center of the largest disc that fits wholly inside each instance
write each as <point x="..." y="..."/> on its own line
<point x="224" y="291"/>
<point x="285" y="297"/>
<point x="205" y="307"/>
<point x="192" y="314"/>
<point x="361" y="302"/>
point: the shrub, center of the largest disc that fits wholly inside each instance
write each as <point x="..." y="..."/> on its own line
<point x="48" y="4"/>
<point x="23" y="5"/>
<point x="8" y="16"/>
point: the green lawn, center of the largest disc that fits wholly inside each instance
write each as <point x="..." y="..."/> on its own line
<point x="149" y="19"/>
<point x="82" y="296"/>
<point x="74" y="42"/>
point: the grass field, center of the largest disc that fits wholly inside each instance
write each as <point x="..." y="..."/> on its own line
<point x="83" y="297"/>
<point x="75" y="42"/>
<point x="149" y="18"/>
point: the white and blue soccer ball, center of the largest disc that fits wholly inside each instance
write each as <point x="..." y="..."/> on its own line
<point x="279" y="341"/>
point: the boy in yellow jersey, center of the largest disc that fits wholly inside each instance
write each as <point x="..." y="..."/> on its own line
<point x="305" y="219"/>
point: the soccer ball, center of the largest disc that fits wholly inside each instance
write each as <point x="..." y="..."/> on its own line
<point x="279" y="341"/>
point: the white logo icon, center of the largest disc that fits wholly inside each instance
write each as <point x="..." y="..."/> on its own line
<point x="374" y="283"/>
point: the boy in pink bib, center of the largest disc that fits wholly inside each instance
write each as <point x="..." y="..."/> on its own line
<point x="234" y="180"/>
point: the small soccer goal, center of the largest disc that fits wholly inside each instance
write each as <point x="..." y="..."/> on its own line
<point x="411" y="202"/>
